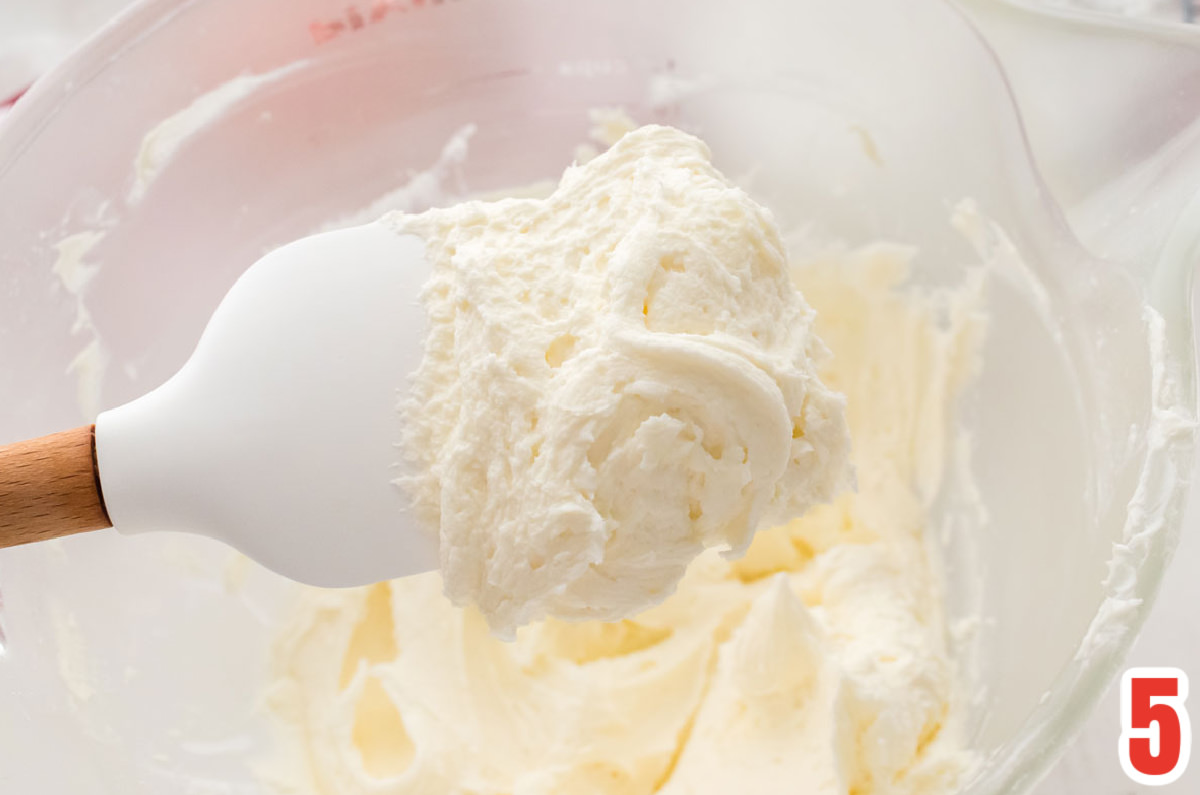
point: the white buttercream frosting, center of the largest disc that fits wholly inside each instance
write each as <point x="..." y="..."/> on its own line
<point x="816" y="663"/>
<point x="616" y="378"/>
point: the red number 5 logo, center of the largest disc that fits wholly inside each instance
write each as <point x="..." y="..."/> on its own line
<point x="1156" y="735"/>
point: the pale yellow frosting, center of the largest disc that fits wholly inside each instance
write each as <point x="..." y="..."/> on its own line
<point x="615" y="378"/>
<point x="815" y="664"/>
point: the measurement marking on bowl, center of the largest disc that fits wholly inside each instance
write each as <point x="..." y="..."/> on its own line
<point x="359" y="16"/>
<point x="12" y="100"/>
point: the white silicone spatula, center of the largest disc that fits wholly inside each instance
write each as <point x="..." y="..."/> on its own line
<point x="279" y="435"/>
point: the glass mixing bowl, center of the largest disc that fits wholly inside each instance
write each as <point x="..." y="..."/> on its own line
<point x="134" y="665"/>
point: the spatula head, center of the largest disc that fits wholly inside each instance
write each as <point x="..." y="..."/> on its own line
<point x="279" y="436"/>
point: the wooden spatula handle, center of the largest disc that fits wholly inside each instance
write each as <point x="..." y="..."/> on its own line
<point x="49" y="487"/>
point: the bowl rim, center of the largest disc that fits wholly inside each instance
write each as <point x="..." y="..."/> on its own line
<point x="33" y="109"/>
